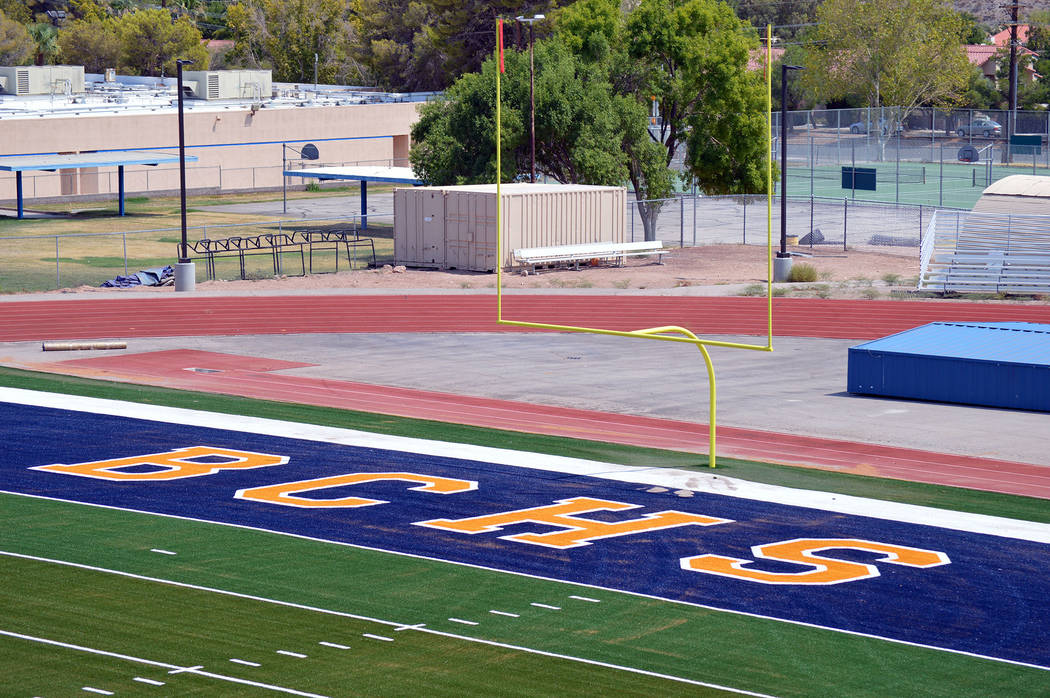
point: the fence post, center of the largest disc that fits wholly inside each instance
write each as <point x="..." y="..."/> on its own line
<point x="940" y="186"/>
<point x="681" y="221"/>
<point x="845" y="221"/>
<point x="694" y="215"/>
<point x="744" y="229"/>
<point x="58" y="278"/>
<point x="811" y="220"/>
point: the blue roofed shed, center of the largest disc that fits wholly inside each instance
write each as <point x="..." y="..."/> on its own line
<point x="997" y="364"/>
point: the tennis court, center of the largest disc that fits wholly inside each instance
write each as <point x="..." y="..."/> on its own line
<point x="947" y="185"/>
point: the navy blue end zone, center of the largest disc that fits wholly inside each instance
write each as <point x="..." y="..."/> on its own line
<point x="991" y="599"/>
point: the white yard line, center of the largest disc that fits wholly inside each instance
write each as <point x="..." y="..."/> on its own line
<point x="162" y="665"/>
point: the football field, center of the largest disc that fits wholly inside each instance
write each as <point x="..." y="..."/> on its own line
<point x="253" y="548"/>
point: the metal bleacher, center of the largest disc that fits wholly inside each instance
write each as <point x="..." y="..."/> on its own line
<point x="968" y="252"/>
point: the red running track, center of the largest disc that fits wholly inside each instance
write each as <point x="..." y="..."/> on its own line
<point x="156" y="317"/>
<point x="191" y="316"/>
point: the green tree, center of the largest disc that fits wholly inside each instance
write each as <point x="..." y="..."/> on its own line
<point x="16" y="46"/>
<point x="393" y="46"/>
<point x="94" y="44"/>
<point x="462" y="30"/>
<point x="89" y="10"/>
<point x="980" y="92"/>
<point x="901" y="53"/>
<point x="688" y="59"/>
<point x="287" y="34"/>
<point x="152" y="42"/>
<point x="17" y="11"/>
<point x="788" y="16"/>
<point x="46" y="38"/>
<point x="972" y="30"/>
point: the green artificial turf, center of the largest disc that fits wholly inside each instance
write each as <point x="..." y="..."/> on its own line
<point x="186" y="627"/>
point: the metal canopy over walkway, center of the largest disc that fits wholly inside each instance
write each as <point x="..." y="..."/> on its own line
<point x="51" y="162"/>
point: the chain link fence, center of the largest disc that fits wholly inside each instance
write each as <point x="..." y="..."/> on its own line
<point x="48" y="262"/>
<point x="691" y="220"/>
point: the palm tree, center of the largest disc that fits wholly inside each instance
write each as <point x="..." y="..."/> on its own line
<point x="46" y="38"/>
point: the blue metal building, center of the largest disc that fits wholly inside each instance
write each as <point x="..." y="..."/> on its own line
<point x="998" y="364"/>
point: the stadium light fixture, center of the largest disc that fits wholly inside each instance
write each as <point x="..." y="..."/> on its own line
<point x="532" y="93"/>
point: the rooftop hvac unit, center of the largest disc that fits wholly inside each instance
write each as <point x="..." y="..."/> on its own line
<point x="43" y="79"/>
<point x="228" y="84"/>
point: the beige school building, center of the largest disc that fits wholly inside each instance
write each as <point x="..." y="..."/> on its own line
<point x="237" y="134"/>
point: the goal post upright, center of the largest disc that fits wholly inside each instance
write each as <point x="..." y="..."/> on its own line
<point x="668" y="333"/>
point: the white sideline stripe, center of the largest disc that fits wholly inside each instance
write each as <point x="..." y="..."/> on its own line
<point x="546" y="605"/>
<point x="464" y="622"/>
<point x="162" y="665"/>
<point x="504" y="613"/>
<point x="286" y="653"/>
<point x="377" y="637"/>
<point x="333" y="645"/>
<point x="664" y="477"/>
<point x="89" y="689"/>
<point x="586" y="598"/>
<point x="245" y="662"/>
<point x="162" y="552"/>
<point x="467" y="638"/>
<point x="151" y="682"/>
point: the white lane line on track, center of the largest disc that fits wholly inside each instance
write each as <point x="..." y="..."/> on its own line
<point x="163" y="665"/>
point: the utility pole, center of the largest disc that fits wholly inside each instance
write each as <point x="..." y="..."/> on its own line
<point x="1011" y="119"/>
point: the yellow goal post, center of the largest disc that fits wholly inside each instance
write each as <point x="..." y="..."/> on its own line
<point x="668" y="333"/>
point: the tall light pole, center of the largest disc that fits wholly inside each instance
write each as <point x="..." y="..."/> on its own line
<point x="185" y="270"/>
<point x="532" y="94"/>
<point x="782" y="264"/>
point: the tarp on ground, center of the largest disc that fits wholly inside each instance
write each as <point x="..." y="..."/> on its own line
<point x="157" y="276"/>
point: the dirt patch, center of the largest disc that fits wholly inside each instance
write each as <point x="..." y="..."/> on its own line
<point x="712" y="269"/>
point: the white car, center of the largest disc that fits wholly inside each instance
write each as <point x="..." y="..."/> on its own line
<point x="864" y="127"/>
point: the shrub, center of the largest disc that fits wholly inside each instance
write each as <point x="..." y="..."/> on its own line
<point x="754" y="290"/>
<point x="801" y="273"/>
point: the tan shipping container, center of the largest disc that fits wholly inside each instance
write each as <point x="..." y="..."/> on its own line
<point x="455" y="227"/>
